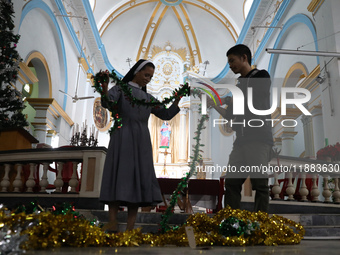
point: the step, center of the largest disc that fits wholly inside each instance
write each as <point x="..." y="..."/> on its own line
<point x="320" y="219"/>
<point x="316" y="225"/>
<point x="322" y="231"/>
<point x="142" y="217"/>
<point x="147" y="221"/>
<point x="145" y="227"/>
<point x="296" y="207"/>
<point x="314" y="219"/>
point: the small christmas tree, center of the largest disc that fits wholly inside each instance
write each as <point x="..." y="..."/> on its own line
<point x="11" y="104"/>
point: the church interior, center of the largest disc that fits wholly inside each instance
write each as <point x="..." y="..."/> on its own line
<point x="59" y="156"/>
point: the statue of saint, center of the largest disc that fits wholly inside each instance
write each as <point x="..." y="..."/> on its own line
<point x="165" y="135"/>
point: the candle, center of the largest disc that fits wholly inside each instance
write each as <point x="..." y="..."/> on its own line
<point x="97" y="135"/>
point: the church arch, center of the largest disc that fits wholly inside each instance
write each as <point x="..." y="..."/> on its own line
<point x="40" y="6"/>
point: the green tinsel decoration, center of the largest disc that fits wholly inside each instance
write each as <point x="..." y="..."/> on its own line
<point x="233" y="226"/>
<point x="102" y="77"/>
<point x="164" y="225"/>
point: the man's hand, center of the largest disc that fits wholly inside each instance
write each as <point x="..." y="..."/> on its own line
<point x="227" y="100"/>
<point x="210" y="102"/>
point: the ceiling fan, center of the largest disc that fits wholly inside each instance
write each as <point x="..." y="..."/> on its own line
<point x="75" y="98"/>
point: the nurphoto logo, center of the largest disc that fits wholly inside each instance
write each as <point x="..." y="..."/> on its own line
<point x="288" y="99"/>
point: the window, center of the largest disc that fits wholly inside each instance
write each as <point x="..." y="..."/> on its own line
<point x="246" y="7"/>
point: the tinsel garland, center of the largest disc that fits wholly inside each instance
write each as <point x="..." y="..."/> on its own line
<point x="42" y="229"/>
<point x="164" y="226"/>
<point x="104" y="76"/>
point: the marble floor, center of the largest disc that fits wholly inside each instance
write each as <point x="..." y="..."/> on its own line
<point x="306" y="247"/>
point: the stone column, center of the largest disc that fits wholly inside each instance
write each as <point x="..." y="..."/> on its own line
<point x="206" y="140"/>
<point x="50" y="134"/>
<point x="318" y="131"/>
<point x="40" y="131"/>
<point x="287" y="137"/>
<point x="48" y="117"/>
<point x="278" y="143"/>
<point x="193" y="117"/>
<point x="308" y="136"/>
<point x="183" y="145"/>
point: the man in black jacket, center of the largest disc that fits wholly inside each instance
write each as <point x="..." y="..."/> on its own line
<point x="254" y="139"/>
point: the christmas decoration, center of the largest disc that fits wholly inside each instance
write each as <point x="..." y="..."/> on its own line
<point x="232" y="226"/>
<point x="184" y="182"/>
<point x="10" y="237"/>
<point x="104" y="76"/>
<point x="11" y="104"/>
<point x="330" y="151"/>
<point x="62" y="227"/>
<point x="10" y="240"/>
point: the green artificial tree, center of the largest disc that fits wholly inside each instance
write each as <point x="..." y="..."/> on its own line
<point x="11" y="104"/>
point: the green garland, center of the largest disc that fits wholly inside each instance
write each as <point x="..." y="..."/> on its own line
<point x="103" y="76"/>
<point x="164" y="225"/>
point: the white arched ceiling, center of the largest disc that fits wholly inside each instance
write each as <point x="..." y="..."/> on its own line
<point x="52" y="54"/>
<point x="206" y="29"/>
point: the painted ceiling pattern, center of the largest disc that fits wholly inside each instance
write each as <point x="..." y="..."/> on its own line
<point x="205" y="29"/>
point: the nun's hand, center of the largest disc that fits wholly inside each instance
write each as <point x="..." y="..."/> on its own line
<point x="177" y="100"/>
<point x="105" y="81"/>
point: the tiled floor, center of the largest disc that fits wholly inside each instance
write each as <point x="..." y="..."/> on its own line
<point x="307" y="247"/>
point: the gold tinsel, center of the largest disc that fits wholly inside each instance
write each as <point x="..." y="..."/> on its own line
<point x="46" y="230"/>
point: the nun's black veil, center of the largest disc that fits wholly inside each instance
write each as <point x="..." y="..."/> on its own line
<point x="129" y="76"/>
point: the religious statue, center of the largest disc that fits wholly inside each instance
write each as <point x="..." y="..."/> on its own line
<point x="165" y="135"/>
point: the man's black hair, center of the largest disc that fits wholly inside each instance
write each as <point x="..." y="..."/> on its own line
<point x="240" y="50"/>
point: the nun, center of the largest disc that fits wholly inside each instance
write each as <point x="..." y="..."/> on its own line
<point x="129" y="177"/>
